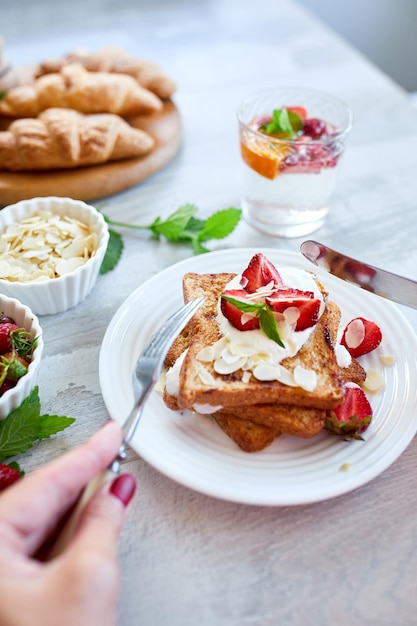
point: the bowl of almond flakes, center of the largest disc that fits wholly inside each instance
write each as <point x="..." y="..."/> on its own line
<point x="51" y="250"/>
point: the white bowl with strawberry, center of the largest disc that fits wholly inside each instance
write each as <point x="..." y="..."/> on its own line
<point x="51" y="250"/>
<point x="21" y="347"/>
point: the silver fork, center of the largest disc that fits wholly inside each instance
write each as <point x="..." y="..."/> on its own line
<point x="146" y="373"/>
<point x="148" y="369"/>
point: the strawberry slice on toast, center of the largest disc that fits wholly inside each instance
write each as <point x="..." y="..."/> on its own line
<point x="259" y="273"/>
<point x="305" y="302"/>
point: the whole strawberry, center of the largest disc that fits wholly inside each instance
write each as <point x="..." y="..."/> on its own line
<point x="9" y="474"/>
<point x="361" y="336"/>
<point x="351" y="418"/>
<point x="6" y="330"/>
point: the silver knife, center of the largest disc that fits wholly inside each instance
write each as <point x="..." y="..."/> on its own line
<point x="381" y="282"/>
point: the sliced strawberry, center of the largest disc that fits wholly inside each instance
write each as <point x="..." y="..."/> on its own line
<point x="238" y="319"/>
<point x="353" y="416"/>
<point x="260" y="272"/>
<point x="300" y="111"/>
<point x="305" y="302"/>
<point x="8" y="475"/>
<point x="361" y="336"/>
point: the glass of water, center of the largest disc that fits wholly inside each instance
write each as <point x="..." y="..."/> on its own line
<point x="291" y="141"/>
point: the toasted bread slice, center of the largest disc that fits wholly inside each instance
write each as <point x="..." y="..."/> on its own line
<point x="208" y="286"/>
<point x="249" y="436"/>
<point x="317" y="354"/>
<point x="289" y="420"/>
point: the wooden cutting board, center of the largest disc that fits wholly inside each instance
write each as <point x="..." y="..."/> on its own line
<point x="98" y="181"/>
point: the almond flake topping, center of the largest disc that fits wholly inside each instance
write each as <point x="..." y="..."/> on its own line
<point x="374" y="381"/>
<point x="387" y="359"/>
<point x="44" y="246"/>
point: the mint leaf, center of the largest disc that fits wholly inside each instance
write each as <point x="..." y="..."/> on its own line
<point x="113" y="252"/>
<point x="180" y="227"/>
<point x="175" y="224"/>
<point x="2" y="95"/>
<point x="295" y="121"/>
<point x="267" y="321"/>
<point x="19" y="430"/>
<point x="52" y="424"/>
<point x="198" y="248"/>
<point x="25" y="425"/>
<point x="268" y="324"/>
<point x="194" y="225"/>
<point x="220" y="224"/>
<point x="286" y="124"/>
<point x="243" y="305"/>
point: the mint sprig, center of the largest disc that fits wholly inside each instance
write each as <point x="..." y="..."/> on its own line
<point x="267" y="321"/>
<point x="113" y="252"/>
<point x="25" y="425"/>
<point x="286" y="124"/>
<point x="180" y="227"/>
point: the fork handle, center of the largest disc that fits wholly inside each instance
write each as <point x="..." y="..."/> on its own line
<point x="103" y="478"/>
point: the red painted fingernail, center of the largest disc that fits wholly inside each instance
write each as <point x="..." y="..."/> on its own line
<point x="124" y="487"/>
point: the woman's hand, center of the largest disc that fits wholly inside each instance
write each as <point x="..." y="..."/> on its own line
<point x="80" y="586"/>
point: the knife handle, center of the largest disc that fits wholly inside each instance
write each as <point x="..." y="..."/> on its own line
<point x="65" y="536"/>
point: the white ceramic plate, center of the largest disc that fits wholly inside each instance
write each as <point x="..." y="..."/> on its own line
<point x="192" y="450"/>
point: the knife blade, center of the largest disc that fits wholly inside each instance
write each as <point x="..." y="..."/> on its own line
<point x="374" y="279"/>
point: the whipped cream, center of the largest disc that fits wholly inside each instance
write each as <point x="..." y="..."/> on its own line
<point x="172" y="379"/>
<point x="252" y="351"/>
<point x="343" y="356"/>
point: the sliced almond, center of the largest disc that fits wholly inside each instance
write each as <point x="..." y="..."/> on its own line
<point x="374" y="381"/>
<point x="387" y="359"/>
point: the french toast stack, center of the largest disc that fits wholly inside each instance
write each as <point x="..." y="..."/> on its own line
<point x="254" y="412"/>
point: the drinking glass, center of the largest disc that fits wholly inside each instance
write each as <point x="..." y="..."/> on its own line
<point x="289" y="178"/>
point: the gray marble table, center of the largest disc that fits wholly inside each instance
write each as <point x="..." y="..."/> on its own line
<point x="188" y="558"/>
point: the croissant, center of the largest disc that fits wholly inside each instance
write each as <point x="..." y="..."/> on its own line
<point x="111" y="59"/>
<point x="63" y="138"/>
<point x="76" y="88"/>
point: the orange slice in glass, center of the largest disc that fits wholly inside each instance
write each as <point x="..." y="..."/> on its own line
<point x="264" y="157"/>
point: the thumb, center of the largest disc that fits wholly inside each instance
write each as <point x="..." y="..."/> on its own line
<point x="102" y="519"/>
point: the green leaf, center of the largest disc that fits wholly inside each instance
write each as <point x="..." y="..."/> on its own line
<point x="175" y="224"/>
<point x="295" y="121"/>
<point x="22" y="342"/>
<point x="195" y="225"/>
<point x="17" y="467"/>
<point x="284" y="123"/>
<point x="16" y="370"/>
<point x="243" y="305"/>
<point x="268" y="324"/>
<point x="113" y="252"/>
<point x="220" y="224"/>
<point x="198" y="248"/>
<point x="267" y="321"/>
<point x="52" y="424"/>
<point x="24" y="426"/>
<point x="19" y="430"/>
<point x="2" y="95"/>
<point x="180" y="227"/>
